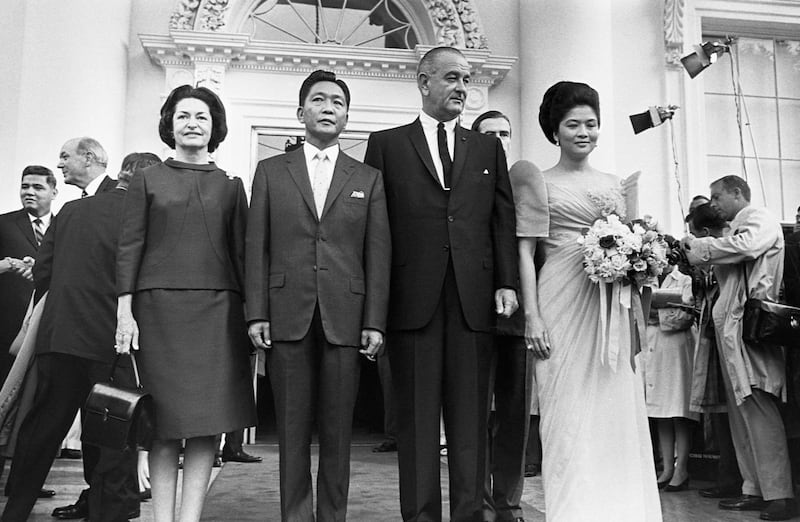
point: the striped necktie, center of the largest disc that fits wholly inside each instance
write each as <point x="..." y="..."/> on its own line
<point x="38" y="230"/>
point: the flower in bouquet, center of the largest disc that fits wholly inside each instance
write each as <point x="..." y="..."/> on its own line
<point x="614" y="251"/>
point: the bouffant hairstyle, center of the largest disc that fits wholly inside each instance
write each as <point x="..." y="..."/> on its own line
<point x="39" y="170"/>
<point x="219" y="126"/>
<point x="559" y="99"/>
<point x="322" y="76"/>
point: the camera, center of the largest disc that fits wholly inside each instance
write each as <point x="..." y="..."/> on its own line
<point x="676" y="255"/>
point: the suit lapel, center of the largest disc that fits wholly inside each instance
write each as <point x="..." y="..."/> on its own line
<point x="417" y="137"/>
<point x="296" y="163"/>
<point x="26" y="228"/>
<point x="106" y="185"/>
<point x="460" y="154"/>
<point x="341" y="173"/>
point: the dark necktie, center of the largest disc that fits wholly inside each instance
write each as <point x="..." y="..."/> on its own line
<point x="84" y="193"/>
<point x="444" y="154"/>
<point x="38" y="230"/>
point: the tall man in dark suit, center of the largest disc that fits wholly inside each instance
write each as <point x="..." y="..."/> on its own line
<point x="75" y="345"/>
<point x="454" y="267"/>
<point x="317" y="269"/>
<point x="21" y="232"/>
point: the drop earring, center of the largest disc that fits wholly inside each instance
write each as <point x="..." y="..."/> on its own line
<point x="558" y="143"/>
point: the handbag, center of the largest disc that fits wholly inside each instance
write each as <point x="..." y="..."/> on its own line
<point x="117" y="417"/>
<point x="769" y="324"/>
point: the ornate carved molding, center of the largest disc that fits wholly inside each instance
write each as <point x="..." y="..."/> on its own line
<point x="673" y="31"/>
<point x="187" y="49"/>
<point x="456" y="22"/>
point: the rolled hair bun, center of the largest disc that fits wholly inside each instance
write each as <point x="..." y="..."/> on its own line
<point x="559" y="99"/>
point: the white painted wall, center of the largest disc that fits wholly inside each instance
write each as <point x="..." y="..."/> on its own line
<point x="68" y="63"/>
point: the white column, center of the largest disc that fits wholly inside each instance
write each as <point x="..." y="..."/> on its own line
<point x="72" y="83"/>
<point x="565" y="40"/>
<point x="617" y="48"/>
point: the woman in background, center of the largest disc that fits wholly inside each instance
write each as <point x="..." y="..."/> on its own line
<point x="179" y="276"/>
<point x="666" y="366"/>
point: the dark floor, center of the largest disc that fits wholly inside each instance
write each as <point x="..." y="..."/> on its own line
<point x="244" y="492"/>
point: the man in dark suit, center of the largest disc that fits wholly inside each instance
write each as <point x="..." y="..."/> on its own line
<point x="75" y="345"/>
<point x="317" y="269"/>
<point x="21" y="232"/>
<point x="454" y="267"/>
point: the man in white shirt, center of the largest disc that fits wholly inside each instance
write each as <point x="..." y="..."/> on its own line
<point x="21" y="232"/>
<point x="317" y="270"/>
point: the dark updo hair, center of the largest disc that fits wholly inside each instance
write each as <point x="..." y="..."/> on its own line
<point x="561" y="98"/>
<point x="219" y="126"/>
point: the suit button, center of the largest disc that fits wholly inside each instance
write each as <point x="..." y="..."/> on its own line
<point x="450" y="219"/>
<point x="315" y="268"/>
<point x="446" y="248"/>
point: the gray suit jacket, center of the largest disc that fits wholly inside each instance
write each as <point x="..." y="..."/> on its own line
<point x="295" y="259"/>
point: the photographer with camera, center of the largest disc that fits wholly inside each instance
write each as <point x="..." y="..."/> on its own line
<point x="748" y="262"/>
<point x="708" y="393"/>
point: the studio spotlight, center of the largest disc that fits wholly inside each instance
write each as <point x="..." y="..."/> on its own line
<point x="705" y="55"/>
<point x="652" y="117"/>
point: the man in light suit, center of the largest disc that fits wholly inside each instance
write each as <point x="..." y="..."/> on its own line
<point x="20" y="236"/>
<point x="75" y="345"/>
<point x="748" y="263"/>
<point x="317" y="270"/>
<point x="454" y="267"/>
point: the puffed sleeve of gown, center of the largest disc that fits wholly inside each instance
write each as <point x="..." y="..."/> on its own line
<point x="530" y="200"/>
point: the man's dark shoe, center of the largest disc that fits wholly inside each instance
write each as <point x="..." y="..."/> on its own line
<point x="717" y="492"/>
<point x="780" y="509"/>
<point x="743" y="503"/>
<point x="47" y="493"/>
<point x="67" y="453"/>
<point x="386" y="446"/>
<point x="78" y="510"/>
<point x="239" y="456"/>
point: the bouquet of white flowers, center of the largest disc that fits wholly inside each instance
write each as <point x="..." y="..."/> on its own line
<point x="614" y="251"/>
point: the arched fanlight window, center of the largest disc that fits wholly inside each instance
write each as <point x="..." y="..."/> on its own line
<point x="369" y="23"/>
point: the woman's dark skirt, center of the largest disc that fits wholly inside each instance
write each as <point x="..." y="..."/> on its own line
<point x="194" y="360"/>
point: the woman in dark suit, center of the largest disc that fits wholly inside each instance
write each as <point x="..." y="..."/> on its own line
<point x="179" y="277"/>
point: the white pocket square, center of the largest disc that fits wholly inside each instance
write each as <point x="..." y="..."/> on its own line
<point x="358" y="194"/>
<point x="485" y="172"/>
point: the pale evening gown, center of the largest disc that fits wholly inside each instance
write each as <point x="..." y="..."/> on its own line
<point x="597" y="455"/>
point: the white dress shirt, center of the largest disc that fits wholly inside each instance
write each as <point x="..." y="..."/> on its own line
<point x="91" y="188"/>
<point x="430" y="128"/>
<point x="45" y="220"/>
<point x="320" y="178"/>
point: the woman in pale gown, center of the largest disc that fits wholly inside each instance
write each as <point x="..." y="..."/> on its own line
<point x="597" y="456"/>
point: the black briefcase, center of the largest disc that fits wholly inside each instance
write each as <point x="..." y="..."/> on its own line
<point x="769" y="324"/>
<point x="117" y="417"/>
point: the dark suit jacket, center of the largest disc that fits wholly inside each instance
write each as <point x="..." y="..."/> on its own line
<point x="155" y="251"/>
<point x="106" y="185"/>
<point x="76" y="263"/>
<point x="473" y="224"/>
<point x="295" y="260"/>
<point x="17" y="241"/>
